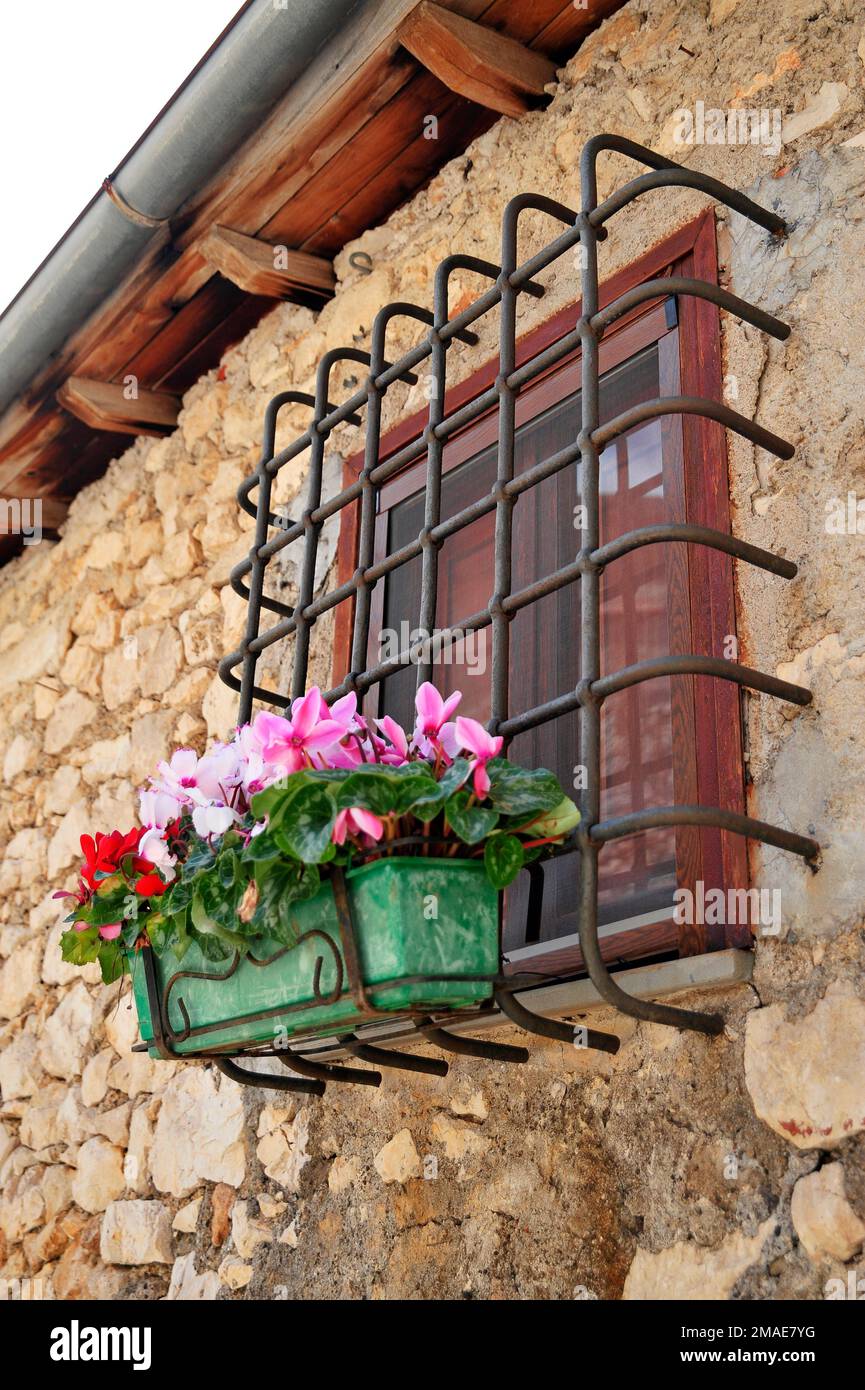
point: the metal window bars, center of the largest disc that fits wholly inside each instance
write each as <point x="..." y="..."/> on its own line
<point x="508" y="281"/>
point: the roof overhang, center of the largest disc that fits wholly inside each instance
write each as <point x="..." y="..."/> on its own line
<point x="336" y="153"/>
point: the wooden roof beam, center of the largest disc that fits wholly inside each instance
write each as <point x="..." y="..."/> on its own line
<point x="261" y="268"/>
<point x="122" y="409"/>
<point x="481" y="64"/>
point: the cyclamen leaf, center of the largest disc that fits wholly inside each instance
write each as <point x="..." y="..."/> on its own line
<point x="106" y="908"/>
<point x="517" y="791"/>
<point x="503" y="859"/>
<point x="212" y="947"/>
<point x="112" y="961"/>
<point x="305" y="829"/>
<point x="80" y="947"/>
<point x="471" y="823"/>
<point x="260" y="848"/>
<point x="227" y="868"/>
<point x="373" y="789"/>
<point x="454" y="776"/>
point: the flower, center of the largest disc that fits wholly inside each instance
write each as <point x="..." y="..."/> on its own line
<point x="151" y="885"/>
<point x="104" y="855"/>
<point x="178" y="777"/>
<point x="474" y="738"/>
<point x="397" y="754"/>
<point x="156" y="809"/>
<point x="109" y="932"/>
<point x="214" y="819"/>
<point x="158" y="812"/>
<point x="356" y="821"/>
<point x="154" y="848"/>
<point x="193" y="780"/>
<point x="432" y="733"/>
<point x="290" y="743"/>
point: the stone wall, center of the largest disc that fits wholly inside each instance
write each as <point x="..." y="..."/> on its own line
<point x="683" y="1166"/>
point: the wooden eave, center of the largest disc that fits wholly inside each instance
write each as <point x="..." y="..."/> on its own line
<point x="337" y="156"/>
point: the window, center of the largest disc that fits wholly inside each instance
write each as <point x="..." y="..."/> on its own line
<point x="668" y="740"/>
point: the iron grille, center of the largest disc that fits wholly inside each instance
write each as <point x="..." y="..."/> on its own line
<point x="273" y="533"/>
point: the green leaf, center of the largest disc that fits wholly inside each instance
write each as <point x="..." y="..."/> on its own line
<point x="503" y="859"/>
<point x="228" y="868"/>
<point x="556" y="823"/>
<point x="106" y="907"/>
<point x="130" y="931"/>
<point x="220" y="903"/>
<point x="207" y="925"/>
<point x="112" y="961"/>
<point x="281" y="887"/>
<point x="454" y="777"/>
<point x="80" y="947"/>
<point x="200" y="858"/>
<point x="211" y="946"/>
<point x="261" y="848"/>
<point x="305" y="829"/>
<point x="374" y="789"/>
<point x="471" y="823"/>
<point x="517" y="791"/>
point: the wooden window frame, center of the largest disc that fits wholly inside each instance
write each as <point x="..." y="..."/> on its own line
<point x="709" y="714"/>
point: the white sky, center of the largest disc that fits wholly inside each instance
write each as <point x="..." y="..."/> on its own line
<point x="80" y="80"/>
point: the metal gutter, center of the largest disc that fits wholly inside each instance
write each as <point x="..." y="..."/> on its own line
<point x="235" y="87"/>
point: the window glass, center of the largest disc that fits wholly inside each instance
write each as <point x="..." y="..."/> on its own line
<point x="638" y="874"/>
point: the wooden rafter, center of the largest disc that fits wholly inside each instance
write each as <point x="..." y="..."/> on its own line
<point x="260" y="267"/>
<point x="481" y="64"/>
<point x="122" y="409"/>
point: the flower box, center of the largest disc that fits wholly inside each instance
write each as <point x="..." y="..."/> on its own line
<point x="437" y="919"/>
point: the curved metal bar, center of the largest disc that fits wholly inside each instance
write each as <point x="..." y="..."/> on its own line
<point x="576" y="1035"/>
<point x="319" y="1072"/>
<point x="402" y="308"/>
<point x="269" y="1081"/>
<point x="700" y="289"/>
<point x="472" y="1047"/>
<point x="698" y="535"/>
<point x="400" y="1061"/>
<point x="679" y="177"/>
<point x="665" y="172"/>
<point x="647" y="1010"/>
<point x="189" y="975"/>
<point x="268" y="443"/>
<point x="693" y="665"/>
<point x="693" y="405"/>
<point x="332" y="995"/>
<point x="614" y="144"/>
<point x="631" y="824"/>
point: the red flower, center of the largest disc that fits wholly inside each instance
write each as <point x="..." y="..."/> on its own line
<point x="103" y="856"/>
<point x="150" y="885"/>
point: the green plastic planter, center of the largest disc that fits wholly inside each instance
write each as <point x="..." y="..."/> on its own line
<point x="431" y="917"/>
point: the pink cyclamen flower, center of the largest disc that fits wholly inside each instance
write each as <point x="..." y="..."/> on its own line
<point x="110" y="932"/>
<point x="355" y="821"/>
<point x="474" y="738"/>
<point x="397" y="753"/>
<point x="290" y="743"/>
<point x="432" y="732"/>
<point x="178" y="777"/>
